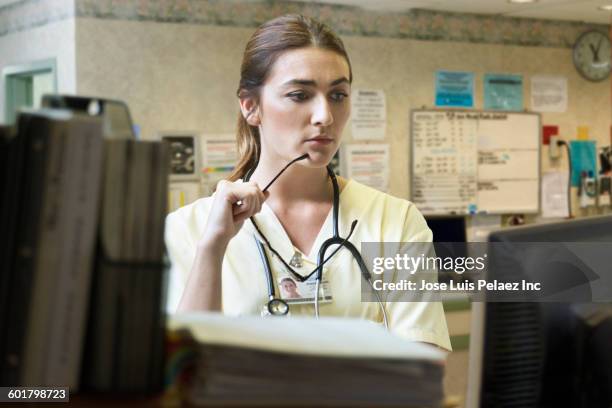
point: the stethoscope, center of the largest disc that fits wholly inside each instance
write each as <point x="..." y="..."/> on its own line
<point x="279" y="307"/>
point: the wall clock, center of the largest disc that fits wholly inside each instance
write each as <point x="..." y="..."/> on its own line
<point x="592" y="55"/>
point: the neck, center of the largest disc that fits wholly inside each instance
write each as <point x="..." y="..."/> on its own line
<point x="298" y="183"/>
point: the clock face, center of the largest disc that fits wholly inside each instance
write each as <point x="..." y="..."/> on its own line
<point x="592" y="55"/>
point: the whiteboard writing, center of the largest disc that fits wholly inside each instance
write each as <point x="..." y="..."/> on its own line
<point x="473" y="162"/>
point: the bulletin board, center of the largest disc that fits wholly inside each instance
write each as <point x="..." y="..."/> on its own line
<point x="472" y="162"/>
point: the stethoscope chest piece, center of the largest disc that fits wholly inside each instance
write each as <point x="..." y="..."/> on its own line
<point x="278" y="307"/>
<point x="275" y="307"/>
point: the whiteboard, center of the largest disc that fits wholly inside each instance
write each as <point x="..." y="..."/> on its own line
<point x="469" y="162"/>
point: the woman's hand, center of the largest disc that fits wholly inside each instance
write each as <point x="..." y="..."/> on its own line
<point x="226" y="216"/>
<point x="203" y="289"/>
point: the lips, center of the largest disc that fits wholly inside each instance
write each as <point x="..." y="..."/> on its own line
<point x="321" y="139"/>
<point x="320" y="142"/>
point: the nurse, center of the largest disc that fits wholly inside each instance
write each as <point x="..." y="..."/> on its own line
<point x="294" y="92"/>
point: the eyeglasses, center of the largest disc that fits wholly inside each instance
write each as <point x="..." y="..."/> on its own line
<point x="287" y="265"/>
<point x="276" y="306"/>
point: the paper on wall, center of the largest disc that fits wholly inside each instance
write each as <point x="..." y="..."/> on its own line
<point x="444" y="166"/>
<point x="182" y="193"/>
<point x="368" y="164"/>
<point x="455" y="89"/>
<point x="554" y="194"/>
<point x="368" y="114"/>
<point x="503" y="92"/>
<point x="548" y="93"/>
<point x="219" y="156"/>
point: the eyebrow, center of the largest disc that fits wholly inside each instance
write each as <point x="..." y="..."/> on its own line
<point x="310" y="82"/>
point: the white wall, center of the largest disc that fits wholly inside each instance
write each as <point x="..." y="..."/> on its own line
<point x="55" y="40"/>
<point x="172" y="76"/>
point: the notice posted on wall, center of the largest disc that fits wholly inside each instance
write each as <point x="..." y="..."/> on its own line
<point x="503" y="92"/>
<point x="554" y="194"/>
<point x="368" y="164"/>
<point x="219" y="155"/>
<point x="368" y="114"/>
<point x="455" y="89"/>
<point x="548" y="93"/>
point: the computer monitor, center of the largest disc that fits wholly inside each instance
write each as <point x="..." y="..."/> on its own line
<point x="449" y="238"/>
<point x="542" y="354"/>
<point x="447" y="228"/>
<point x="115" y="114"/>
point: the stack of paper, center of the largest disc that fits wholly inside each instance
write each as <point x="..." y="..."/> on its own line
<point x="250" y="361"/>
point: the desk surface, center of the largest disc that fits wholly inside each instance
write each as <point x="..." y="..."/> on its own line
<point x="80" y="400"/>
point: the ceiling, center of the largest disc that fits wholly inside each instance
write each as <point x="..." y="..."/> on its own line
<point x="573" y="10"/>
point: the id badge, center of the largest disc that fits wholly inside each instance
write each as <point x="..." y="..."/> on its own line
<point x="294" y="291"/>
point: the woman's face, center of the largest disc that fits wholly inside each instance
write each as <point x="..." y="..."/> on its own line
<point x="304" y="105"/>
<point x="289" y="287"/>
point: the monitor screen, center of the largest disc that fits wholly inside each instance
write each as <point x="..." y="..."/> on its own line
<point x="445" y="230"/>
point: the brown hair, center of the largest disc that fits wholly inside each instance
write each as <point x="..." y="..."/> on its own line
<point x="271" y="39"/>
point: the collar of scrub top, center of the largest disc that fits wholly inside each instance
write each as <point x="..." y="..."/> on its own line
<point x="326" y="244"/>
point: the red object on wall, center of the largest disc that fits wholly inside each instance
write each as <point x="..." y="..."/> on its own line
<point x="547" y="132"/>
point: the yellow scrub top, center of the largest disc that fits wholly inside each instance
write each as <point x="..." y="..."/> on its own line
<point x="381" y="218"/>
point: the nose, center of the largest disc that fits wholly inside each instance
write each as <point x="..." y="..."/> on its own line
<point x="321" y="114"/>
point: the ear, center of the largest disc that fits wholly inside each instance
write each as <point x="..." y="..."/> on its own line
<point x="250" y="110"/>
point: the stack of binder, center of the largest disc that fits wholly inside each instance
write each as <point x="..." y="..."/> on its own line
<point x="81" y="251"/>
<point x="127" y="327"/>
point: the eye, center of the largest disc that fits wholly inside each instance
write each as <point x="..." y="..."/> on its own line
<point x="339" y="96"/>
<point x="298" y="96"/>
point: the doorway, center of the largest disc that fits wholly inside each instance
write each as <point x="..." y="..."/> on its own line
<point x="25" y="84"/>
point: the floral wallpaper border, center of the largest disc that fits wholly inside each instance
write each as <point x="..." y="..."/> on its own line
<point x="417" y="24"/>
